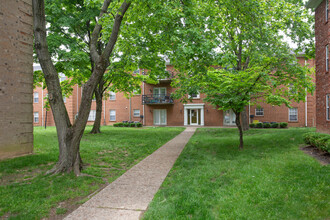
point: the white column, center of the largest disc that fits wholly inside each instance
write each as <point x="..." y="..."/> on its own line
<point x="185" y="117"/>
<point x="202" y="116"/>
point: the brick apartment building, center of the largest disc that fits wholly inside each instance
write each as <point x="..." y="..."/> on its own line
<point x="16" y="78"/>
<point x="158" y="108"/>
<point x="322" y="44"/>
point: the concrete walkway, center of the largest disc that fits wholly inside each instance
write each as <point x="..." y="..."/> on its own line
<point x="129" y="196"/>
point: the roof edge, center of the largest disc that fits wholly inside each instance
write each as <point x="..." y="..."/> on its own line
<point x="313" y="3"/>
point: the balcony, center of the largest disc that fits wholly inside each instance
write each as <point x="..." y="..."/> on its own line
<point x="157" y="100"/>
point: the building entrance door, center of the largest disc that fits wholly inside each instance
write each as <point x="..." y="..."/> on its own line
<point x="229" y="118"/>
<point x="194" y="116"/>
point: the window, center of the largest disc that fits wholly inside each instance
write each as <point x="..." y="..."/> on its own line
<point x="112" y="115"/>
<point x="112" y="96"/>
<point x="137" y="71"/>
<point x="62" y="77"/>
<point x="136" y="112"/>
<point x="159" y="92"/>
<point x="160" y="116"/>
<point x="293" y="114"/>
<point x="194" y="96"/>
<point x="35" y="97"/>
<point x="259" y="112"/>
<point x="36" y="117"/>
<point x="92" y="115"/>
<point x="328" y="106"/>
<point x="327" y="58"/>
<point x="64" y="99"/>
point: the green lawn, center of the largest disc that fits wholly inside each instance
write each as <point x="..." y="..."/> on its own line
<point x="270" y="179"/>
<point x="26" y="193"/>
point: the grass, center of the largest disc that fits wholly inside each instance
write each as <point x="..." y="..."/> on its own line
<point x="27" y="193"/>
<point x="270" y="179"/>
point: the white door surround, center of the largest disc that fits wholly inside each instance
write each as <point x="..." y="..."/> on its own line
<point x="187" y="113"/>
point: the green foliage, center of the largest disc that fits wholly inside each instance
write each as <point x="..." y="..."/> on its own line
<point x="283" y="125"/>
<point x="274" y="125"/>
<point x="259" y="125"/>
<point x="252" y="125"/>
<point x="319" y="140"/>
<point x="266" y="125"/>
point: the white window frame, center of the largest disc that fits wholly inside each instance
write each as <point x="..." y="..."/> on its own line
<point x="327" y="58"/>
<point x="112" y="96"/>
<point x="35" y="117"/>
<point x="159" y="94"/>
<point x="92" y="115"/>
<point x="198" y="96"/>
<point x="112" y="115"/>
<point x="327" y="106"/>
<point x="291" y="114"/>
<point x="35" y="97"/>
<point x="136" y="113"/>
<point x="159" y="119"/>
<point x="62" y="77"/>
<point x="259" y="110"/>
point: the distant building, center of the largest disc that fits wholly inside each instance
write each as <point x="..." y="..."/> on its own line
<point x="322" y="53"/>
<point x="16" y="78"/>
<point x="155" y="107"/>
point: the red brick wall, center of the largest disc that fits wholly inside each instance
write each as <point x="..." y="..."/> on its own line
<point x="16" y="78"/>
<point x="175" y="112"/>
<point x="322" y="39"/>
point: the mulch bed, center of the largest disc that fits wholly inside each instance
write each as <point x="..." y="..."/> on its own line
<point x="321" y="156"/>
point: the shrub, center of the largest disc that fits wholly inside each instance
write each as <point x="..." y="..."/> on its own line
<point x="266" y="125"/>
<point x="321" y="141"/>
<point x="259" y="125"/>
<point x="252" y="125"/>
<point x="283" y="124"/>
<point x="132" y="125"/>
<point x="139" y="125"/>
<point x="125" y="124"/>
<point x="274" y="125"/>
<point x="118" y="124"/>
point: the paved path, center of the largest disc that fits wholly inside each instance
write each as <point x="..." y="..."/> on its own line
<point x="129" y="196"/>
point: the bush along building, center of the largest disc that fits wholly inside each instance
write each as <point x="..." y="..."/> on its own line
<point x="322" y="53"/>
<point x="16" y="78"/>
<point x="154" y="106"/>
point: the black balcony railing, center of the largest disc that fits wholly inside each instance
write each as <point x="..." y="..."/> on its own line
<point x="156" y="99"/>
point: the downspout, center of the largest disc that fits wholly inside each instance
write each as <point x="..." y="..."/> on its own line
<point x="142" y="104"/>
<point x="77" y="98"/>
<point x="249" y="112"/>
<point x="104" y="123"/>
<point x="42" y="103"/>
<point x="130" y="102"/>
<point x="306" y="113"/>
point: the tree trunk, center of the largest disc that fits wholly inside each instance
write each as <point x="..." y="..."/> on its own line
<point x="97" y="123"/>
<point x="245" y="120"/>
<point x="69" y="136"/>
<point x="240" y="129"/>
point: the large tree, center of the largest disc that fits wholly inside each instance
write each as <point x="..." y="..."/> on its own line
<point x="83" y="47"/>
<point x="69" y="135"/>
<point x="246" y="40"/>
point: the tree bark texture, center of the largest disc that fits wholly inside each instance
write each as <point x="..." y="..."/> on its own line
<point x="99" y="104"/>
<point x="245" y="120"/>
<point x="240" y="129"/>
<point x="69" y="135"/>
